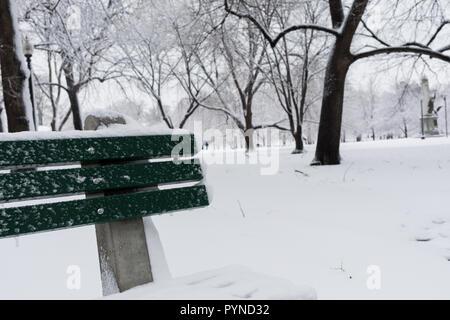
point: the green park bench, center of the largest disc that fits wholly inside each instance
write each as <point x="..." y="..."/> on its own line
<point x="120" y="176"/>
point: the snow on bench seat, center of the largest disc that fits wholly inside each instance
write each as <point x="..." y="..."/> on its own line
<point x="229" y="283"/>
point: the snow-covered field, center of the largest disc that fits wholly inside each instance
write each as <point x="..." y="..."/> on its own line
<point x="386" y="208"/>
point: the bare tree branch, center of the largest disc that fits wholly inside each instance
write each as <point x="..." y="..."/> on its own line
<point x="274" y="40"/>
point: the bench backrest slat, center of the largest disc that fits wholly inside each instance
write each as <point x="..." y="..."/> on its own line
<point x="30" y="219"/>
<point x="51" y="151"/>
<point x="30" y="184"/>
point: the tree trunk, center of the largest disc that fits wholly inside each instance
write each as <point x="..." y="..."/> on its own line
<point x="298" y="137"/>
<point x="40" y="117"/>
<point x="1" y="121"/>
<point x="72" y="92"/>
<point x="249" y="141"/>
<point x="327" y="149"/>
<point x="52" y="99"/>
<point x="53" y="123"/>
<point x="14" y="76"/>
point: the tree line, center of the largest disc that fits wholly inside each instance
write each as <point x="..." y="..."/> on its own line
<point x="256" y="64"/>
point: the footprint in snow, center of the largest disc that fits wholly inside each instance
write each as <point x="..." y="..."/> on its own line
<point x="199" y="281"/>
<point x="447" y="256"/>
<point x="438" y="221"/>
<point x="223" y="284"/>
<point x="246" y="294"/>
<point x="423" y="237"/>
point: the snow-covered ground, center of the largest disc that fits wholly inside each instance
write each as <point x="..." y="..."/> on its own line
<point x="233" y="282"/>
<point x="386" y="208"/>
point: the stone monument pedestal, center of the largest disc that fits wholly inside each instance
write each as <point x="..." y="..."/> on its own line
<point x="430" y="125"/>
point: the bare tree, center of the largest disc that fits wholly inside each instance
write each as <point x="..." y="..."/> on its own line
<point x="76" y="36"/>
<point x="369" y="107"/>
<point x="161" y="50"/>
<point x="145" y="46"/>
<point x="295" y="65"/>
<point x="53" y="92"/>
<point x="344" y="29"/>
<point x="402" y="109"/>
<point x="234" y="69"/>
<point x="191" y="42"/>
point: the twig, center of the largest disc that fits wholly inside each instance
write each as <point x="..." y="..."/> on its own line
<point x="341" y="268"/>
<point x="345" y="173"/>
<point x="303" y="173"/>
<point x="242" y="210"/>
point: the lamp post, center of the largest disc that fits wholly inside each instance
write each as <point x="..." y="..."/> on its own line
<point x="446" y="119"/>
<point x="421" y="121"/>
<point x="28" y="52"/>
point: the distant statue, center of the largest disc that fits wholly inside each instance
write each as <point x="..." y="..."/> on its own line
<point x="429" y="119"/>
<point x="431" y="105"/>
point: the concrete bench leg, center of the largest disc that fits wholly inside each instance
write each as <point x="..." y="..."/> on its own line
<point x="123" y="255"/>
